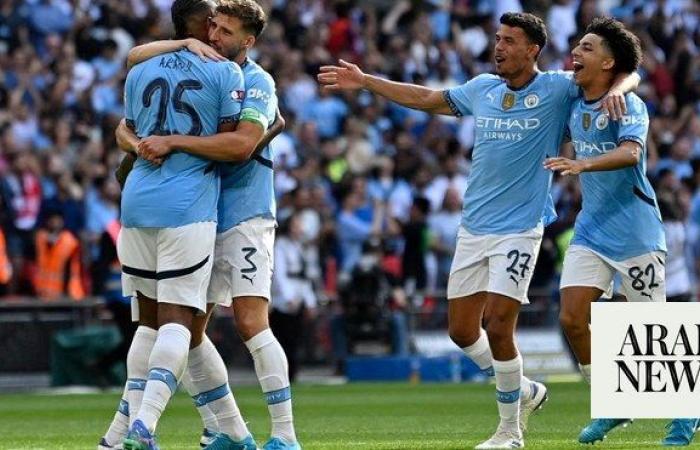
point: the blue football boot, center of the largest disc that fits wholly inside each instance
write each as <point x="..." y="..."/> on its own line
<point x="139" y="438"/>
<point x="223" y="441"/>
<point x="599" y="428"/>
<point x="680" y="432"/>
<point x="279" y="444"/>
<point x="206" y="438"/>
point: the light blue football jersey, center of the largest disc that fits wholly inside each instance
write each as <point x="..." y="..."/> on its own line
<point x="515" y="130"/>
<point x="620" y="217"/>
<point x="177" y="93"/>
<point x="247" y="189"/>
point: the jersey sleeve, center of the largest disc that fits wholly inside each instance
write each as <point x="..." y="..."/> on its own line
<point x="461" y="98"/>
<point x="563" y="81"/>
<point x="129" y="93"/>
<point x="232" y="92"/>
<point x="634" y="125"/>
<point x="259" y="97"/>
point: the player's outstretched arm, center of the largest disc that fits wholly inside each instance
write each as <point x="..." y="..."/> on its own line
<point x="348" y="76"/>
<point x="227" y="146"/>
<point x="614" y="101"/>
<point x="147" y="51"/>
<point x="625" y="155"/>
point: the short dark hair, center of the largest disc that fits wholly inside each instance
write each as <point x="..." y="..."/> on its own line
<point x="533" y="26"/>
<point x="622" y="43"/>
<point x="182" y="10"/>
<point x="249" y="12"/>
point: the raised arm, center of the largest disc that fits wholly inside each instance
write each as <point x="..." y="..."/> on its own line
<point x="147" y="51"/>
<point x="626" y="154"/>
<point x="349" y="77"/>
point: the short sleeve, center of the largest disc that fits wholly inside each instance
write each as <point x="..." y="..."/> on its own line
<point x="460" y="99"/>
<point x="259" y="98"/>
<point x="564" y="82"/>
<point x="634" y="125"/>
<point x="260" y="93"/>
<point x="232" y="92"/>
<point x="128" y="98"/>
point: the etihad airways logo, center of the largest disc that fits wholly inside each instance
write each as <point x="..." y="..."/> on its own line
<point x="504" y="123"/>
<point x="588" y="149"/>
<point x="504" y="128"/>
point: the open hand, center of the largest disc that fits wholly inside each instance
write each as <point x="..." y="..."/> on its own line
<point x="344" y="76"/>
<point x="203" y="50"/>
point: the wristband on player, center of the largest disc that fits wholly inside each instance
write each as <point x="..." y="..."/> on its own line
<point x="253" y="115"/>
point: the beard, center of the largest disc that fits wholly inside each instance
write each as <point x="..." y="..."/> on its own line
<point x="232" y="53"/>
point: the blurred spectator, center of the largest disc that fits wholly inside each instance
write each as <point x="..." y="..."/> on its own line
<point x="58" y="266"/>
<point x="444" y="226"/>
<point x="107" y="277"/>
<point x="415" y="236"/>
<point x="292" y="291"/>
<point x="372" y="308"/>
<point x="678" y="288"/>
<point x="5" y="265"/>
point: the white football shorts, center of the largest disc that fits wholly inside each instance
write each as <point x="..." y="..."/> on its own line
<point x="171" y="265"/>
<point x="498" y="263"/>
<point x="643" y="277"/>
<point x="243" y="259"/>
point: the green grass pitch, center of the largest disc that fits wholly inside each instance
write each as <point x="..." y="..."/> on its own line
<point x="355" y="416"/>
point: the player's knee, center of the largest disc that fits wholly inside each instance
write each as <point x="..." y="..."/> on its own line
<point x="249" y="325"/>
<point x="571" y="324"/>
<point x="463" y="338"/>
<point x="499" y="330"/>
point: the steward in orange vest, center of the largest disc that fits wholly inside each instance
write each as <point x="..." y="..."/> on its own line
<point x="58" y="270"/>
<point x="5" y="265"/>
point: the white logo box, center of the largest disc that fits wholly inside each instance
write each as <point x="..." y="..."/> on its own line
<point x="631" y="378"/>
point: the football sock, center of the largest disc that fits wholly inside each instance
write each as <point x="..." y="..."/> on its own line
<point x="273" y="373"/>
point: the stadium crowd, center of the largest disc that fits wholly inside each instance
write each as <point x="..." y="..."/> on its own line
<point x="370" y="181"/>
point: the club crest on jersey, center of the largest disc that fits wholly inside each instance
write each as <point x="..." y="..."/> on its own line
<point x="508" y="101"/>
<point x="531" y="101"/>
<point x="586" y="121"/>
<point x="238" y="95"/>
<point x="601" y="122"/>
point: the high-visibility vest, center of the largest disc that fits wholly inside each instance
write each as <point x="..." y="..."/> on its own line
<point x="51" y="265"/>
<point x="5" y="265"/>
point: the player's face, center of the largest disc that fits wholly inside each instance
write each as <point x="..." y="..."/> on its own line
<point x="514" y="51"/>
<point x="591" y="59"/>
<point x="226" y="35"/>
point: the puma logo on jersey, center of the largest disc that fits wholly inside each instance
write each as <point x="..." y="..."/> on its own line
<point x="517" y="283"/>
<point x="249" y="278"/>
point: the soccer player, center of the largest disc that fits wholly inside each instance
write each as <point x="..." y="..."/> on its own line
<point x="169" y="212"/>
<point x="243" y="256"/>
<point x="520" y="117"/>
<point x="619" y="230"/>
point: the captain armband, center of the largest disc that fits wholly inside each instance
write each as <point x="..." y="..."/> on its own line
<point x="253" y="115"/>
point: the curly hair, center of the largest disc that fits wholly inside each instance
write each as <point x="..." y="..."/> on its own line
<point x="249" y="12"/>
<point x="622" y="43"/>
